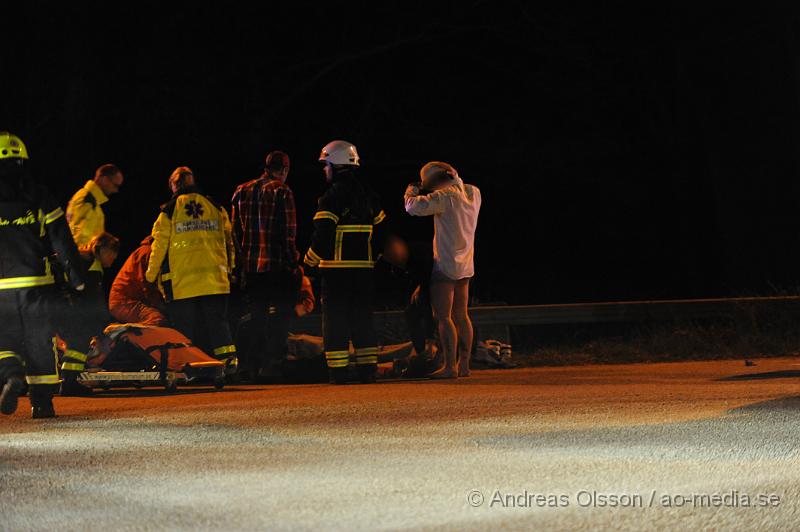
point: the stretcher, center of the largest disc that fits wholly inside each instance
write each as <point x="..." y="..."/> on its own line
<point x="139" y="356"/>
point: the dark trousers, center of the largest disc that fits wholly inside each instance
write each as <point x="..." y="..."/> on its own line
<point x="347" y="316"/>
<point x="271" y="297"/>
<point x="86" y="318"/>
<point x="419" y="321"/>
<point x="27" y="336"/>
<point x="204" y="320"/>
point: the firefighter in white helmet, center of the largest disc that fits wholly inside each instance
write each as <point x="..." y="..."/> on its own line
<point x="342" y="248"/>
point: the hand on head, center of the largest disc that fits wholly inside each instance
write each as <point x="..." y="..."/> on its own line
<point x="437" y="174"/>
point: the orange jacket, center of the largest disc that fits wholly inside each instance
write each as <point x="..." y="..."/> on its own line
<point x="132" y="298"/>
<point x="305" y="298"/>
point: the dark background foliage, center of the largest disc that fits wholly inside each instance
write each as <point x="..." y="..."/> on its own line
<point x="624" y="150"/>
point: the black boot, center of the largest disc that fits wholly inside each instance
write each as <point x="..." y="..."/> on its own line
<point x="367" y="373"/>
<point x="231" y="365"/>
<point x="271" y="372"/>
<point x="9" y="396"/>
<point x="70" y="387"/>
<point x="42" y="404"/>
<point x="338" y="375"/>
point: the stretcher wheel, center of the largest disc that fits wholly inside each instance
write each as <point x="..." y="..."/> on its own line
<point x="171" y="386"/>
<point x="219" y="383"/>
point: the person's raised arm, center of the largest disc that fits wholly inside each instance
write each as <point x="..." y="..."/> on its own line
<point x="425" y="204"/>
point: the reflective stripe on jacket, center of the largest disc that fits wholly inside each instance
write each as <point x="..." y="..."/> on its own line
<point x="192" y="252"/>
<point x="31" y="229"/>
<point x="344" y="226"/>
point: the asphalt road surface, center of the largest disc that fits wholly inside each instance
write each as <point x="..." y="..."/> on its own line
<point x="710" y="445"/>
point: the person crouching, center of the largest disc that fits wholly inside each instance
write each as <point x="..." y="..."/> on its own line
<point x="132" y="299"/>
<point x="89" y="313"/>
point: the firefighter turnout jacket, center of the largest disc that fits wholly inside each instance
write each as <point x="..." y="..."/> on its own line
<point x="32" y="228"/>
<point x="31" y="232"/>
<point x="192" y="252"/>
<point x="344" y="226"/>
<point x="85" y="215"/>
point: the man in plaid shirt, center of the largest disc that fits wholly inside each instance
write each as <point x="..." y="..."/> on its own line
<point x="264" y="226"/>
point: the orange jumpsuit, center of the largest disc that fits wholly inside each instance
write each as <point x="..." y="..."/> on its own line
<point x="132" y="298"/>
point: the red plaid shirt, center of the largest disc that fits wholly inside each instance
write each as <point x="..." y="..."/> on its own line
<point x="265" y="225"/>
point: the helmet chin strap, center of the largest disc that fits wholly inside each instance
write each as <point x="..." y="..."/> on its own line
<point x="12" y="168"/>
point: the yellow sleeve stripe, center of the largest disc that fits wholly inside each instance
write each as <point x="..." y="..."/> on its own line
<point x="11" y="354"/>
<point x="378" y="219"/>
<point x="312" y="259"/>
<point x="326" y="215"/>
<point x="54" y="215"/>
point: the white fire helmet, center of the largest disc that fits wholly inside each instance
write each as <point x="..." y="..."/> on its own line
<point x="339" y="152"/>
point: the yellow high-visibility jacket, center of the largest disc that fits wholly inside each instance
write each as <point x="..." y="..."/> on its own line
<point x="192" y="252"/>
<point x="84" y="214"/>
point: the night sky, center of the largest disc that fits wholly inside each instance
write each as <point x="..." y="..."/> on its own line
<point x="636" y="151"/>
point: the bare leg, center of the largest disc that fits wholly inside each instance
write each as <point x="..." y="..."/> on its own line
<point x="442" y="303"/>
<point x="463" y="326"/>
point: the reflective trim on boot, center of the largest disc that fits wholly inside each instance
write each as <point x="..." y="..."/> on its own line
<point x="74" y="361"/>
<point x="367" y="355"/>
<point x="337" y="359"/>
<point x="43" y="379"/>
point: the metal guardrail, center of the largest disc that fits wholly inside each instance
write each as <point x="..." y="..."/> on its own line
<point x="574" y="313"/>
